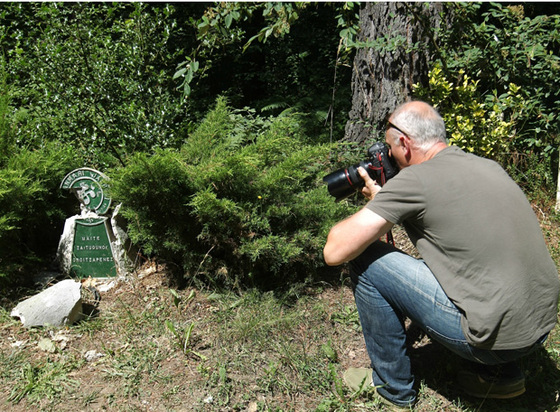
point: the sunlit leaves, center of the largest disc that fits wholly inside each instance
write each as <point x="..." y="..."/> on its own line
<point x="95" y="75"/>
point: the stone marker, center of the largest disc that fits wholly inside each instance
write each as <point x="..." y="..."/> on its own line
<point x="59" y="305"/>
<point x="93" y="245"/>
<point x="91" y="249"/>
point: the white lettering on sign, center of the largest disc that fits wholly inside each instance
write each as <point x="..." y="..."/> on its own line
<point x="93" y="259"/>
<point x="91" y="238"/>
<point x="92" y="247"/>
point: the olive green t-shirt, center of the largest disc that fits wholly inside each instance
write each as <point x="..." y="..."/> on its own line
<point x="479" y="236"/>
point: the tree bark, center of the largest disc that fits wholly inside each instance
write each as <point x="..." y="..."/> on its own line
<point x="401" y="35"/>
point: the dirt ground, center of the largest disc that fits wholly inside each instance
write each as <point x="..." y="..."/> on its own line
<point x="157" y="376"/>
<point x="136" y="353"/>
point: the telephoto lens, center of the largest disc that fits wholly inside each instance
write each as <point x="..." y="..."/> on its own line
<point x="344" y="182"/>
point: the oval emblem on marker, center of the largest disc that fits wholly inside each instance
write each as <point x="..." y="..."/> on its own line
<point x="89" y="187"/>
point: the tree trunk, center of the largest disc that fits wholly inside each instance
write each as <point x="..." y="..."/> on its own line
<point x="400" y="37"/>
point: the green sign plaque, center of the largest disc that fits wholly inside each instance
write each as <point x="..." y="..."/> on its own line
<point x="88" y="185"/>
<point x="91" y="252"/>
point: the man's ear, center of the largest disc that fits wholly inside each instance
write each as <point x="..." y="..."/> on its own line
<point x="405" y="142"/>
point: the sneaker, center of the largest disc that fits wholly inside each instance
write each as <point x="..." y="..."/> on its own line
<point x="482" y="385"/>
<point x="360" y="381"/>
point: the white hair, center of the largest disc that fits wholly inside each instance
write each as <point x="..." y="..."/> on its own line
<point x="421" y="123"/>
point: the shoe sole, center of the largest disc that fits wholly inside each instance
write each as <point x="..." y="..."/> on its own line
<point x="490" y="395"/>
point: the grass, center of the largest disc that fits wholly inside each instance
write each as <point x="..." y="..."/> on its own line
<point x="162" y="349"/>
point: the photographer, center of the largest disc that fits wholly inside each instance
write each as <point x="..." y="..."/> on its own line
<point x="486" y="287"/>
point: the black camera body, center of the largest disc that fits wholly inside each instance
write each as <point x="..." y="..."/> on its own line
<point x="380" y="166"/>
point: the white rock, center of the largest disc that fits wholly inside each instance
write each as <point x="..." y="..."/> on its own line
<point x="92" y="355"/>
<point x="58" y="305"/>
<point x="47" y="345"/>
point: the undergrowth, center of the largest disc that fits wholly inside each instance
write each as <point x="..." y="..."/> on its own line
<point x="241" y="204"/>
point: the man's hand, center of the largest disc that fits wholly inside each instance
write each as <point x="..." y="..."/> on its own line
<point x="371" y="187"/>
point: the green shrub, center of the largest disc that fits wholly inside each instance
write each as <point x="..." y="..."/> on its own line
<point x="490" y="126"/>
<point x="503" y="44"/>
<point x="155" y="190"/>
<point x="486" y="127"/>
<point x="496" y="82"/>
<point x="242" y="202"/>
<point x="96" y="76"/>
<point x="32" y="207"/>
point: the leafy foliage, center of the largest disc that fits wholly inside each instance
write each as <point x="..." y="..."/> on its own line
<point x="515" y="61"/>
<point x="94" y="82"/>
<point x="216" y="29"/>
<point x="489" y="126"/>
<point x="245" y="198"/>
<point x="94" y="75"/>
<point x="100" y="75"/>
<point x="486" y="127"/>
<point x="238" y="196"/>
<point x="496" y="85"/>
<point x="32" y="209"/>
<point x="278" y="64"/>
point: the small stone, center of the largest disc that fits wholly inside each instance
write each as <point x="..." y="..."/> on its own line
<point x="253" y="407"/>
<point x="93" y="355"/>
<point x="47" y="345"/>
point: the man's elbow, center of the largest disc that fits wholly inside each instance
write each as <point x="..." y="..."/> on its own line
<point x="331" y="262"/>
<point x="331" y="258"/>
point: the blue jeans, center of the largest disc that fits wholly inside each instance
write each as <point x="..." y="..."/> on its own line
<point x="389" y="286"/>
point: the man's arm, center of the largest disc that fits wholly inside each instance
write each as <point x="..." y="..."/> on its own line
<point x="350" y="237"/>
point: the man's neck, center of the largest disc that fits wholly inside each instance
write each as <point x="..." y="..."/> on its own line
<point x="432" y="151"/>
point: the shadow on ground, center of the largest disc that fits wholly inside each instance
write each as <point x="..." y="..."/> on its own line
<point x="436" y="367"/>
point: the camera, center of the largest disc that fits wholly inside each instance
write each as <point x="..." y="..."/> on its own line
<point x="380" y="166"/>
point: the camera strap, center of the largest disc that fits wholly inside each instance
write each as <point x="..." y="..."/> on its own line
<point x="390" y="238"/>
<point x="383" y="180"/>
